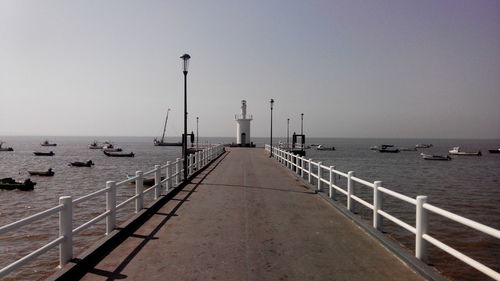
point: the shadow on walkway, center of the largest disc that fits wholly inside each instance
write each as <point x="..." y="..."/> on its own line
<point x="146" y="238"/>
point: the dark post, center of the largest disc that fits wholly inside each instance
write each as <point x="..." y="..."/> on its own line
<point x="197" y="118"/>
<point x="271" y="154"/>
<point x="302" y="123"/>
<point x="185" y="59"/>
<point x="288" y="133"/>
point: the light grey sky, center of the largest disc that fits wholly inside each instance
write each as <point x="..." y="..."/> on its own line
<point x="423" y="68"/>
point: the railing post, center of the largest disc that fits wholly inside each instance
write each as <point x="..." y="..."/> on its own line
<point x="66" y="230"/>
<point x="377" y="205"/>
<point x="319" y="176"/>
<point x="168" y="180"/>
<point x="177" y="171"/>
<point x="334" y="182"/>
<point x="309" y="171"/>
<point x="139" y="191"/>
<point x="350" y="191"/>
<point x="421" y="229"/>
<point x="296" y="162"/>
<point x="330" y="187"/>
<point x="191" y="162"/>
<point x="302" y="166"/>
<point x="111" y="206"/>
<point x="157" y="181"/>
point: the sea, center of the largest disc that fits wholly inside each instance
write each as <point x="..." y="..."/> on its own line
<point x="466" y="185"/>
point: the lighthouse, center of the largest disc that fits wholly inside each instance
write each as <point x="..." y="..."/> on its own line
<point x="243" y="126"/>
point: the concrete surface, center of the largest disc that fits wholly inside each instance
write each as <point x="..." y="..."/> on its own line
<point x="247" y="218"/>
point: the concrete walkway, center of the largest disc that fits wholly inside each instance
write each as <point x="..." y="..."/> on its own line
<point x="247" y="218"/>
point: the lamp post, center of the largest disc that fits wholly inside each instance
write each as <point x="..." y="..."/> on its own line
<point x="302" y="123"/>
<point x="272" y="102"/>
<point x="185" y="64"/>
<point x="288" y="133"/>
<point x="197" y="118"/>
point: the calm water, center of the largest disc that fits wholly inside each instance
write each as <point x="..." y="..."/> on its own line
<point x="468" y="186"/>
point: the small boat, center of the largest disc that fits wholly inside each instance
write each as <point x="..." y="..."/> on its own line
<point x="10" y="184"/>
<point x="435" y="157"/>
<point x="161" y="142"/>
<point x="407" y="148"/>
<point x="51" y="153"/>
<point x="388" y="150"/>
<point x="456" y="151"/>
<point x="382" y="146"/>
<point x="111" y="154"/>
<point x="82" y="164"/>
<point x="94" y="145"/>
<point x="48" y="173"/>
<point x="112" y="149"/>
<point x="423" y="145"/>
<point x="5" y="148"/>
<point x="321" y="147"/>
<point x="47" y="143"/>
<point x="494" y="150"/>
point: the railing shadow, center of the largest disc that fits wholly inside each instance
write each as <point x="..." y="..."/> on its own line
<point x="116" y="274"/>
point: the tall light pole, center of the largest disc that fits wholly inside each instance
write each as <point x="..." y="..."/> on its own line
<point x="302" y="123"/>
<point x="288" y="132"/>
<point x="197" y="118"/>
<point x="272" y="102"/>
<point x="185" y="64"/>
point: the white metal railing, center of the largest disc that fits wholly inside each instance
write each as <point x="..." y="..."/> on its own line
<point x="172" y="172"/>
<point x="303" y="168"/>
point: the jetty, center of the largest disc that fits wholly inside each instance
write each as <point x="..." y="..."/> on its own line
<point x="247" y="218"/>
<point x="246" y="214"/>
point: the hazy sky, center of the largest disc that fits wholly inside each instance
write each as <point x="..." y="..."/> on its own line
<point x="423" y="68"/>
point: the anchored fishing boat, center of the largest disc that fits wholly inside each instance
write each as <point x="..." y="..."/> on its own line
<point x="112" y="154"/>
<point x="494" y="150"/>
<point x="95" y="145"/>
<point x="423" y="145"/>
<point x="321" y="147"/>
<point x="47" y="143"/>
<point x="51" y="153"/>
<point x="48" y="173"/>
<point x="82" y="164"/>
<point x="435" y="157"/>
<point x="456" y="151"/>
<point x="5" y="148"/>
<point x="161" y="142"/>
<point x="10" y="184"/>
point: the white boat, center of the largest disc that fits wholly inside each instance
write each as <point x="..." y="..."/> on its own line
<point x="5" y="148"/>
<point x="321" y="147"/>
<point x="456" y="151"/>
<point x="95" y="145"/>
<point x="423" y="145"/>
<point x="47" y="143"/>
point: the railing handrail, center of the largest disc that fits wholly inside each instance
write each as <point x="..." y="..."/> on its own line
<point x="197" y="161"/>
<point x="420" y="230"/>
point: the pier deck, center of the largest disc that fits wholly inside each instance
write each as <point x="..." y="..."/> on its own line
<point x="247" y="218"/>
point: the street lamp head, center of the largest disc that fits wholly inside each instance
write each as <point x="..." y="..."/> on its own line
<point x="185" y="62"/>
<point x="302" y="115"/>
<point x="272" y="102"/>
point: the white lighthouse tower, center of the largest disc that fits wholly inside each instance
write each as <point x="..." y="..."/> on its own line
<point x="243" y="126"/>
